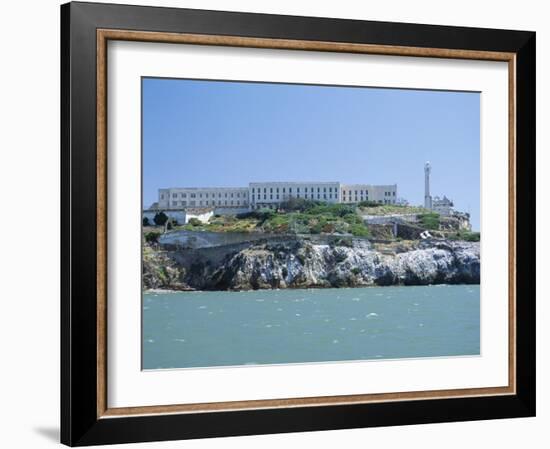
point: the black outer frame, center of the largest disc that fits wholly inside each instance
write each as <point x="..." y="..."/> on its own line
<point x="79" y="423"/>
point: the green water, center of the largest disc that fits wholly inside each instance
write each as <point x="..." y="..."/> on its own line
<point x="203" y="329"/>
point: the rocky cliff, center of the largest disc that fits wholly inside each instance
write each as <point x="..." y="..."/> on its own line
<point x="301" y="263"/>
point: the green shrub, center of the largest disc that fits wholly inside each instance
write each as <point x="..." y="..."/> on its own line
<point x="359" y="230"/>
<point x="472" y="237"/>
<point x="466" y="235"/>
<point x="337" y="210"/>
<point x="429" y="221"/>
<point x="356" y="270"/>
<point x="369" y="204"/>
<point x="145" y="221"/>
<point x="152" y="237"/>
<point x="160" y="218"/>
<point x="298" y="204"/>
<point x="194" y="221"/>
<point x="353" y="219"/>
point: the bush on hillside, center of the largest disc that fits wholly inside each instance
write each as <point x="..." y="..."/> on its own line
<point x="152" y="237"/>
<point x="194" y="221"/>
<point x="160" y="218"/>
<point x="429" y="221"/>
<point x="369" y="204"/>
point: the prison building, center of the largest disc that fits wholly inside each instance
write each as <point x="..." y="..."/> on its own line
<point x="270" y="194"/>
<point x="259" y="195"/>
<point x="186" y="197"/>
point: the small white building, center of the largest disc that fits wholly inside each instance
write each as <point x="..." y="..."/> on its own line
<point x="443" y="206"/>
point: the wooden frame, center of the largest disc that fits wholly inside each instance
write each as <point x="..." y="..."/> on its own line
<point x="86" y="28"/>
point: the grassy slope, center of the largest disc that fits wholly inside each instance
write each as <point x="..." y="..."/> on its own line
<point x="320" y="218"/>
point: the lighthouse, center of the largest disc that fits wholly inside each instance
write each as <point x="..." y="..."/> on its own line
<point x="427" y="196"/>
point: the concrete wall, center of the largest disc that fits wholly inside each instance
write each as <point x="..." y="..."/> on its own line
<point x="388" y="219"/>
<point x="205" y="239"/>
<point x="230" y="210"/>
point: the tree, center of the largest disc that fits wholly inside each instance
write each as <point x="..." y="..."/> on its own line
<point x="145" y="221"/>
<point x="194" y="221"/>
<point x="160" y="218"/>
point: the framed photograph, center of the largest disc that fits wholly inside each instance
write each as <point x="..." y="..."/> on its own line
<point x="279" y="224"/>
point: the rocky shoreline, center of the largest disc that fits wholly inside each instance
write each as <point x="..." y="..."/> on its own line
<point x="301" y="263"/>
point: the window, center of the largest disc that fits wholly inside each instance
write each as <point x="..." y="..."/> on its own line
<point x="283" y="190"/>
<point x="306" y="190"/>
<point x="277" y="189"/>
<point x="162" y="196"/>
<point x="270" y="196"/>
<point x="252" y="197"/>
<point x="271" y="190"/>
<point x="184" y="203"/>
<point x="265" y="190"/>
<point x="265" y="196"/>
<point x="324" y="189"/>
<point x="174" y="195"/>
<point x="252" y="189"/>
<point x="206" y="202"/>
<point x="298" y="189"/>
<point x="277" y="196"/>
<point x="290" y="190"/>
<point x="193" y="195"/>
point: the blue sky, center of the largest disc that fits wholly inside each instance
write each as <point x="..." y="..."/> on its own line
<point x="216" y="133"/>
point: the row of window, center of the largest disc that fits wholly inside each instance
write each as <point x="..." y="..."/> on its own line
<point x="206" y="195"/>
<point x="349" y="192"/>
<point x="311" y="189"/>
<point x="210" y="203"/>
<point x="310" y="196"/>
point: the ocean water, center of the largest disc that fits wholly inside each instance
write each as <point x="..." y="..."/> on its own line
<point x="206" y="329"/>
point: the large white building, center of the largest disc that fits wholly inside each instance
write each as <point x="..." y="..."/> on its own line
<point x="260" y="195"/>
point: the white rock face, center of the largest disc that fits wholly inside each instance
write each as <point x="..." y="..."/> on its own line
<point x="301" y="264"/>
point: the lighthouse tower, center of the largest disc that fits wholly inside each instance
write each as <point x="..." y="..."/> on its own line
<point x="427" y="196"/>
